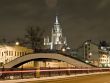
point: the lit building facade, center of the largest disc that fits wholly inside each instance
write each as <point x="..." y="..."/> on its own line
<point x="56" y="41"/>
<point x="10" y="52"/>
<point x="91" y="53"/>
<point x="104" y="53"/>
<point x="104" y="60"/>
<point x="88" y="52"/>
<point x="52" y="64"/>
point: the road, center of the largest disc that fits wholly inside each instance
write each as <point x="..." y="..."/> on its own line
<point x="100" y="78"/>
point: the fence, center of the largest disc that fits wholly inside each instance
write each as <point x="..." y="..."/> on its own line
<point x="17" y="73"/>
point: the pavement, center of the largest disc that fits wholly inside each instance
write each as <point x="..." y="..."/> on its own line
<point x="48" y="78"/>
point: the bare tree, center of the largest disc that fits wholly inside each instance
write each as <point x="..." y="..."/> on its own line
<point x="3" y="40"/>
<point x="34" y="37"/>
<point x="103" y="43"/>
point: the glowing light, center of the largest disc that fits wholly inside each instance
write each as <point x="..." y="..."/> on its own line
<point x="87" y="61"/>
<point x="68" y="48"/>
<point x="90" y="53"/>
<point x="17" y="43"/>
<point x="86" y="43"/>
<point x="63" y="49"/>
<point x="49" y="70"/>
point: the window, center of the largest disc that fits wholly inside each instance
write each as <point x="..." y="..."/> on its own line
<point x="15" y="53"/>
<point x="20" y="53"/>
<point x="9" y="53"/>
<point x="88" y="48"/>
<point x="2" y="53"/>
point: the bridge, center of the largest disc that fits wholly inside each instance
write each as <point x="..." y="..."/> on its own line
<point x="62" y="57"/>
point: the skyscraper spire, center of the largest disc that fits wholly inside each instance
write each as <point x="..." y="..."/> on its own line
<point x="56" y="20"/>
<point x="57" y="40"/>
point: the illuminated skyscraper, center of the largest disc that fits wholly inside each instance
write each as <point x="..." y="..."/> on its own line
<point x="57" y="40"/>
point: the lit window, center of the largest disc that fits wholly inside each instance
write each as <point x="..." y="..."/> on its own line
<point x="9" y="53"/>
<point x="12" y="53"/>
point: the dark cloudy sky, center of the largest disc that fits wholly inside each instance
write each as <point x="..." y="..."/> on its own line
<point x="80" y="19"/>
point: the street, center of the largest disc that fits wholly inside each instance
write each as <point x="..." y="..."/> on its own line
<point x="101" y="78"/>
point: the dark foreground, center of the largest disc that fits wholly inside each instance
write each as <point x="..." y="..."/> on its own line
<point x="101" y="78"/>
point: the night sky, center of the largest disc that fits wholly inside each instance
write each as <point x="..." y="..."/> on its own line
<point x="80" y="19"/>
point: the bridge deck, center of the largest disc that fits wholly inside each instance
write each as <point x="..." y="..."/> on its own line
<point x="63" y="57"/>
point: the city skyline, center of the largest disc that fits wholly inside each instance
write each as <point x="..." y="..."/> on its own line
<point x="80" y="20"/>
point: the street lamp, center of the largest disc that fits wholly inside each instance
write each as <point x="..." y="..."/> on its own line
<point x="17" y="43"/>
<point x="87" y="61"/>
<point x="90" y="53"/>
<point x="86" y="43"/>
<point x="63" y="49"/>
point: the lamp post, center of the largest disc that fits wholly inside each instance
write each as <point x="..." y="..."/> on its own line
<point x="63" y="49"/>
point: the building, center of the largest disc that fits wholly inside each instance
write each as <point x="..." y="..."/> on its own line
<point x="52" y="64"/>
<point x="91" y="53"/>
<point x="104" y="53"/>
<point x="88" y="51"/>
<point x="11" y="52"/>
<point x="104" y="60"/>
<point x="56" y="41"/>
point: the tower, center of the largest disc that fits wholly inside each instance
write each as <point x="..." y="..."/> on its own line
<point x="56" y="32"/>
<point x="57" y="39"/>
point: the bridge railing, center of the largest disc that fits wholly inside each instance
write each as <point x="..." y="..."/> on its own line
<point x="19" y="73"/>
<point x="51" y="51"/>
